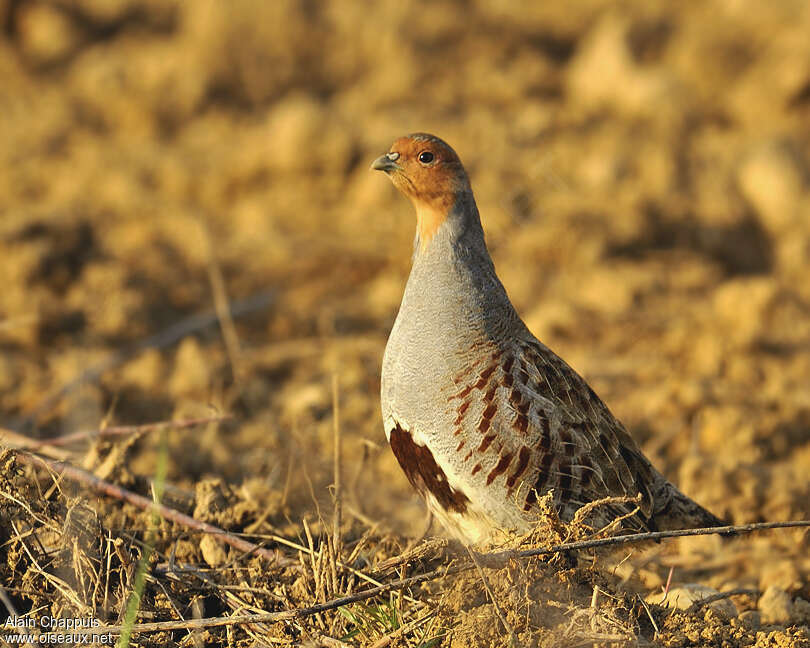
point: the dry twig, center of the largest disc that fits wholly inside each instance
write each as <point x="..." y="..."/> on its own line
<point x="501" y="616"/>
<point x="633" y="538"/>
<point x="22" y="441"/>
<point x="403" y="630"/>
<point x="719" y="597"/>
<point x="222" y="309"/>
<point x="88" y="479"/>
<point x="165" y="338"/>
<point x="338" y="468"/>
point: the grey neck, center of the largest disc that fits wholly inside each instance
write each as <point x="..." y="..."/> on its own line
<point x="453" y="292"/>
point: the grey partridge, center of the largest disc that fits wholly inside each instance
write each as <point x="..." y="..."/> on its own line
<point x="482" y="417"/>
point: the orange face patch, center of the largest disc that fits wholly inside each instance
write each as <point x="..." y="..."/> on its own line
<point x="430" y="173"/>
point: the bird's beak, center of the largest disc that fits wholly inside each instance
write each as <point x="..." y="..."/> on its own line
<point x="385" y="163"/>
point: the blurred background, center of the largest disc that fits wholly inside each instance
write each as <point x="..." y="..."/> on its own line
<point x="642" y="171"/>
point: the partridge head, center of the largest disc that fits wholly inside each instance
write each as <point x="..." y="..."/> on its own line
<point x="482" y="417"/>
<point x="430" y="174"/>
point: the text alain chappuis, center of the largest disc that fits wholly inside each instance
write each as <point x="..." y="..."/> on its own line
<point x="54" y="630"/>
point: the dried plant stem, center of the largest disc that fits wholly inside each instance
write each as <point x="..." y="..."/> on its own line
<point x="653" y="535"/>
<point x="5" y="600"/>
<point x="338" y="468"/>
<point x="719" y="597"/>
<point x="649" y="616"/>
<point x="88" y="479"/>
<point x="402" y="631"/>
<point x="330" y="642"/>
<point x="134" y="601"/>
<point x="501" y="616"/>
<point x="222" y="309"/>
<point x="162" y="339"/>
<point x="24" y="442"/>
<point x="413" y="554"/>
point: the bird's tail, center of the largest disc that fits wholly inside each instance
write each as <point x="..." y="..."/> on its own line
<point x="681" y="512"/>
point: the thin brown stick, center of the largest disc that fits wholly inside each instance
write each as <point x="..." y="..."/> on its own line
<point x="652" y="535"/>
<point x="114" y="431"/>
<point x="162" y="339"/>
<point x="385" y="641"/>
<point x="338" y="467"/>
<point x="330" y="642"/>
<point x="222" y="309"/>
<point x="649" y="615"/>
<point x="413" y="554"/>
<point x="15" y="440"/>
<point x="669" y="581"/>
<point x="501" y="616"/>
<point x="719" y="597"/>
<point x="5" y="600"/>
<point x="88" y="479"/>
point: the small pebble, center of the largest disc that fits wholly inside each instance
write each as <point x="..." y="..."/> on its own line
<point x="776" y="605"/>
<point x="751" y="619"/>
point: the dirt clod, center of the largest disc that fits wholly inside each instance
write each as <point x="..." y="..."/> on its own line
<point x="776" y="605"/>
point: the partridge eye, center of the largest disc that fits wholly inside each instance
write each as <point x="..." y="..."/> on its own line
<point x="426" y="157"/>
